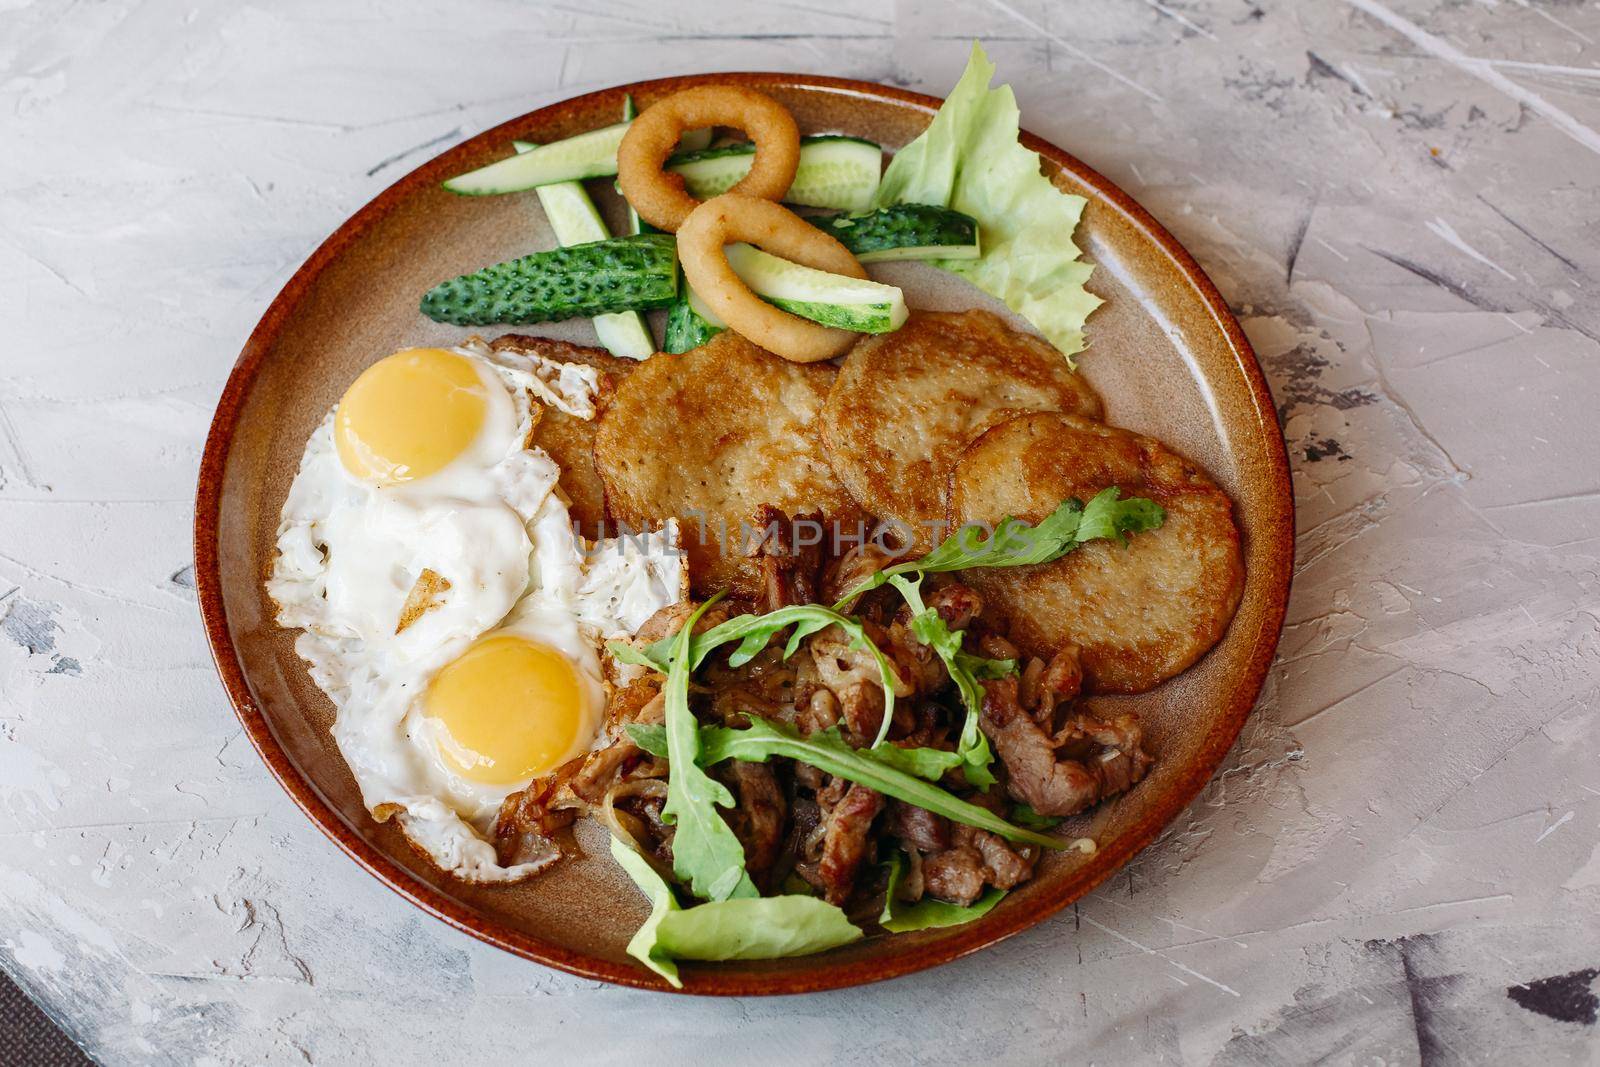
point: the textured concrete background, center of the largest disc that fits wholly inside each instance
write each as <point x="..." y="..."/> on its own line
<point x="1401" y="861"/>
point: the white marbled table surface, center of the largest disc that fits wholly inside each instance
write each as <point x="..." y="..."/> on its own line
<point x="1399" y="863"/>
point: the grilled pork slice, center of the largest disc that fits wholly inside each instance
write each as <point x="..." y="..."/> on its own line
<point x="1103" y="758"/>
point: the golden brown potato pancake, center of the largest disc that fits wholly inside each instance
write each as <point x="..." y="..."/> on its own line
<point x="1140" y="614"/>
<point x="709" y="436"/>
<point x="568" y="439"/>
<point x="906" y="403"/>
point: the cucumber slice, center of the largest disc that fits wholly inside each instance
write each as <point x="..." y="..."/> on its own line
<point x="635" y="223"/>
<point x="831" y="299"/>
<point x="635" y="273"/>
<point x="904" y="231"/>
<point x="686" y="330"/>
<point x="834" y="171"/>
<point x="703" y="310"/>
<point x="692" y="140"/>
<point x="573" y="216"/>
<point x="576" y="221"/>
<point x="690" y="323"/>
<point x="588" y="155"/>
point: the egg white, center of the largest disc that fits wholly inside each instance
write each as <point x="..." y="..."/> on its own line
<point x="493" y="524"/>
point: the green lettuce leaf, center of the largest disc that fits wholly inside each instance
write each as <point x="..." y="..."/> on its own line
<point x="762" y="928"/>
<point x="706" y="854"/>
<point x="645" y="944"/>
<point x="898" y="917"/>
<point x="969" y="159"/>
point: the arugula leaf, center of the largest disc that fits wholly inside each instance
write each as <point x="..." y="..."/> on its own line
<point x="1023" y="815"/>
<point x="626" y="653"/>
<point x="648" y="736"/>
<point x="763" y="928"/>
<point x="1014" y="543"/>
<point x="899" y="917"/>
<point x="827" y="751"/>
<point x="928" y="763"/>
<point x="753" y="632"/>
<point x="1110" y="518"/>
<point x="706" y="854"/>
<point x="929" y="627"/>
<point x="986" y="670"/>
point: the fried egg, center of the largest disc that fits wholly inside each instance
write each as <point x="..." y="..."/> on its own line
<point x="449" y="610"/>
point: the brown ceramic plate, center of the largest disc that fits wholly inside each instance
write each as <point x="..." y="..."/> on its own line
<point x="1167" y="356"/>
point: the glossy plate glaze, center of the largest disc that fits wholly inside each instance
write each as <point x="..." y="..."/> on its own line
<point x="1166" y="354"/>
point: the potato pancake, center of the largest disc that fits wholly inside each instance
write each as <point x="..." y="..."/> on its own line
<point x="1138" y="615"/>
<point x="708" y="437"/>
<point x="906" y="403"/>
<point x="568" y="439"/>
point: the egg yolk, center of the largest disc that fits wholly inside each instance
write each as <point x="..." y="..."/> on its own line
<point x="409" y="415"/>
<point x="507" y="710"/>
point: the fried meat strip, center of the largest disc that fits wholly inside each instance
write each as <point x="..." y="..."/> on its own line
<point x="1103" y="758"/>
<point x="758" y="817"/>
<point x="788" y="557"/>
<point x="847" y="839"/>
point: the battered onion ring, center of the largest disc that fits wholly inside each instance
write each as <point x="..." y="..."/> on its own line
<point x="658" y="196"/>
<point x="774" y="229"/>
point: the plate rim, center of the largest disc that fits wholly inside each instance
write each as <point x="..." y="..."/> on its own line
<point x="708" y="979"/>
